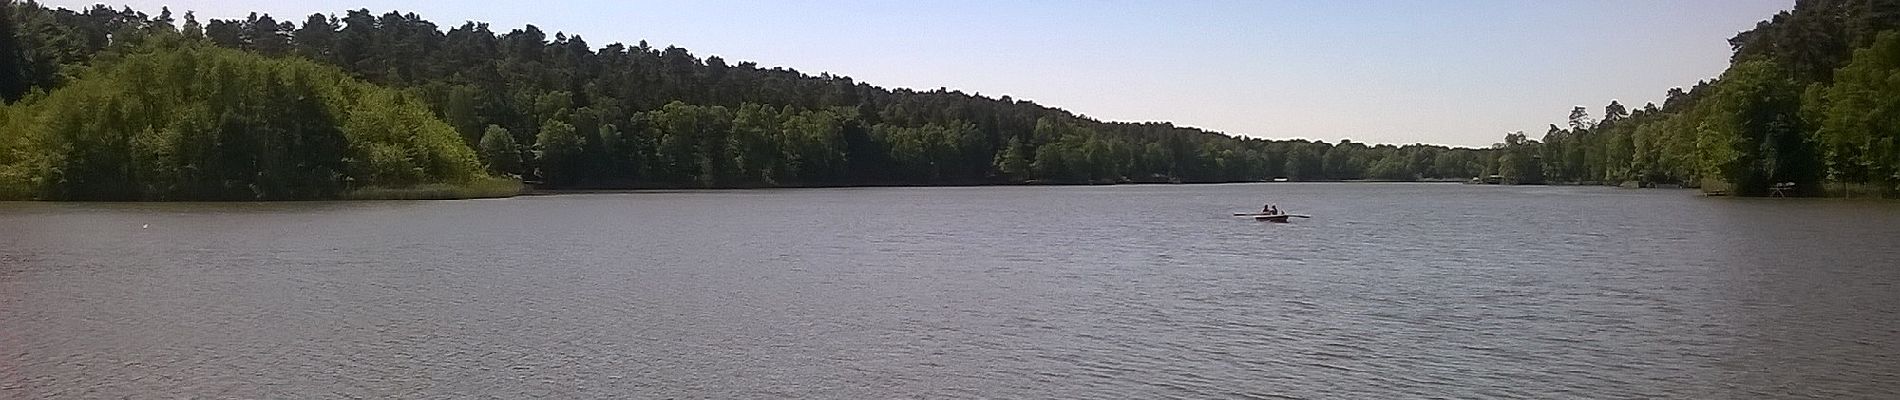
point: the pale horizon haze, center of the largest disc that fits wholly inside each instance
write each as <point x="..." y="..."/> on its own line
<point x="1459" y="73"/>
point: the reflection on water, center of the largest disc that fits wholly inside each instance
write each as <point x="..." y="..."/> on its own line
<point x="1391" y="291"/>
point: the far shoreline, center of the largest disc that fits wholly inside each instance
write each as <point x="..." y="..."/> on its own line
<point x="508" y="188"/>
<point x="538" y="191"/>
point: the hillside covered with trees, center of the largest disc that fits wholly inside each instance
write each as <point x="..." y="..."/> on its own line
<point x="1812" y="97"/>
<point x="183" y="120"/>
<point x="1808" y="100"/>
<point x="559" y="111"/>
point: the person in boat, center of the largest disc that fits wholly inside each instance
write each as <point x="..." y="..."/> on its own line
<point x="1271" y="210"/>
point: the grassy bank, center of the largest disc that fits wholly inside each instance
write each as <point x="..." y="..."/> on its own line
<point x="482" y="188"/>
<point x="1858" y="191"/>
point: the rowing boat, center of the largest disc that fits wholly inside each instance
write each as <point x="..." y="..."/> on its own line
<point x="1270" y="217"/>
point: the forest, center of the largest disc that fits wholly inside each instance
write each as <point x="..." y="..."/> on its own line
<point x="339" y="104"/>
<point x="1811" y="98"/>
<point x="561" y="113"/>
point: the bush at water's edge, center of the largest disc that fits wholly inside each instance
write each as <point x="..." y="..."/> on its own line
<point x="177" y="119"/>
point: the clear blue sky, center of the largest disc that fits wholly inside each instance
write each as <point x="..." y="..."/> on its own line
<point x="1442" y="72"/>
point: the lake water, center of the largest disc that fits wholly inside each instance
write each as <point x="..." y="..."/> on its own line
<point x="1148" y="292"/>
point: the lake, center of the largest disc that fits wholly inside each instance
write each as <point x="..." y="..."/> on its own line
<point x="1147" y="292"/>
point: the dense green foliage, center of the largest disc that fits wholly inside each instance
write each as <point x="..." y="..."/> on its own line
<point x="1806" y="101"/>
<point x="637" y="116"/>
<point x="500" y="152"/>
<point x="1809" y="99"/>
<point x="1859" y="116"/>
<point x="177" y="119"/>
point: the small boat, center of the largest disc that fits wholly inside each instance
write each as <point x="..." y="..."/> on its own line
<point x="1281" y="217"/>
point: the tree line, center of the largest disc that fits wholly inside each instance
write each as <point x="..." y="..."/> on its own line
<point x="1811" y="97"/>
<point x="1804" y="101"/>
<point x="558" y="111"/>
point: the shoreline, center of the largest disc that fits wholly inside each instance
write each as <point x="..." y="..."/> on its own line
<point x="480" y="188"/>
<point x="507" y="188"/>
<point x="542" y="191"/>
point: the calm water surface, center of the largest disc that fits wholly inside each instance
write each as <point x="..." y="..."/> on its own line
<point x="1390" y="291"/>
